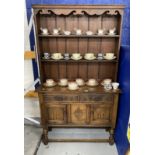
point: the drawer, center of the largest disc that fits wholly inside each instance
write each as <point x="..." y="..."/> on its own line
<point x="96" y="97"/>
<point x="60" y="98"/>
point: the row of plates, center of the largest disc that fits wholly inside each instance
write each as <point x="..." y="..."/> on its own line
<point x="92" y="58"/>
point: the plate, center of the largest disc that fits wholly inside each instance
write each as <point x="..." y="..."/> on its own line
<point x="45" y="85"/>
<point x="110" y="58"/>
<point x="57" y="58"/>
<point x="90" y="58"/>
<point x="92" y="85"/>
<point x="45" y="58"/>
<point x="76" y="59"/>
<point x="111" y="34"/>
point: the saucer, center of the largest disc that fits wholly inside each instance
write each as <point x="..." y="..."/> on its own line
<point x="45" y="34"/>
<point x="111" y="34"/>
<point x="81" y="84"/>
<point x="109" y="58"/>
<point x="90" y="58"/>
<point x="46" y="85"/>
<point x="92" y="85"/>
<point x="76" y="58"/>
<point x="73" y="88"/>
<point x="57" y="58"/>
<point x="45" y="58"/>
<point x="62" y="85"/>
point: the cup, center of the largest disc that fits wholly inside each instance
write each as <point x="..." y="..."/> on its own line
<point x="56" y="55"/>
<point x="109" y="55"/>
<point x="115" y="85"/>
<point x="92" y="82"/>
<point x="46" y="55"/>
<point x="79" y="81"/>
<point x="107" y="86"/>
<point x="63" y="81"/>
<point x="89" y="55"/>
<point x="72" y="85"/>
<point x="78" y="31"/>
<point x="67" y="32"/>
<point x="50" y="82"/>
<point x="44" y="30"/>
<point x="76" y="55"/>
<point x="107" y="81"/>
<point x="112" y="31"/>
<point x="56" y="31"/>
<point x="89" y="33"/>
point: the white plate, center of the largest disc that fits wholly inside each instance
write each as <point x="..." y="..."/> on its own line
<point x="110" y="58"/>
<point x="57" y="58"/>
<point x="92" y="85"/>
<point x="111" y="34"/>
<point x="45" y="58"/>
<point x="45" y="84"/>
<point x="89" y="58"/>
<point x="76" y="59"/>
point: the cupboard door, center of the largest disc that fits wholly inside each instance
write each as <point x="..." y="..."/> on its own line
<point x="79" y="113"/>
<point x="101" y="114"/>
<point x="56" y="114"/>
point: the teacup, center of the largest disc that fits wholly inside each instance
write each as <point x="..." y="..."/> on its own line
<point x="44" y="30"/>
<point x="115" y="85"/>
<point x="107" y="86"/>
<point x="76" y="55"/>
<point x="79" y="81"/>
<point x="89" y="33"/>
<point x="89" y="55"/>
<point x="78" y="31"/>
<point x="46" y="55"/>
<point x="56" y="31"/>
<point x="67" y="32"/>
<point x="50" y="82"/>
<point x="92" y="82"/>
<point x="63" y="81"/>
<point x="112" y="31"/>
<point x="109" y="55"/>
<point x="101" y="31"/>
<point x="107" y="81"/>
<point x="56" y="55"/>
<point x="72" y="85"/>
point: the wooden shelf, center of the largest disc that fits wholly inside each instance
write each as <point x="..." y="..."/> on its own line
<point x="78" y="36"/>
<point x="82" y="60"/>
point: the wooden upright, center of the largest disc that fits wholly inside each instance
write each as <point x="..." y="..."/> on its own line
<point x="88" y="106"/>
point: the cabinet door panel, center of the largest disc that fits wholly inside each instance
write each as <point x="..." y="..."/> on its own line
<point x="79" y="114"/>
<point x="56" y="114"/>
<point x="101" y="114"/>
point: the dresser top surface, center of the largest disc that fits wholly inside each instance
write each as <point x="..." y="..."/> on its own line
<point x="80" y="90"/>
<point x="66" y="6"/>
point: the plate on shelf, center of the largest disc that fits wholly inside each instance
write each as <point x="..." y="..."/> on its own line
<point x="88" y="84"/>
<point x="57" y="58"/>
<point x="75" y="58"/>
<point x="110" y="58"/>
<point x="46" y="85"/>
<point x="93" y="58"/>
<point x="111" y="34"/>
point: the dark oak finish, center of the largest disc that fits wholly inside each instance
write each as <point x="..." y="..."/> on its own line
<point x="88" y="106"/>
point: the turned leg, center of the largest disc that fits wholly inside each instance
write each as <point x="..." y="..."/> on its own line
<point x="111" y="138"/>
<point x="45" y="136"/>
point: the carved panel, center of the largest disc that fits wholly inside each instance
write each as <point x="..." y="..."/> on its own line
<point x="79" y="114"/>
<point x="57" y="114"/>
<point x="108" y="98"/>
<point x="100" y="114"/>
<point x="59" y="98"/>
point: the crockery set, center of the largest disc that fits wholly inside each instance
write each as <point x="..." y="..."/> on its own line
<point x="58" y="31"/>
<point x="74" y="85"/>
<point x="78" y="56"/>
